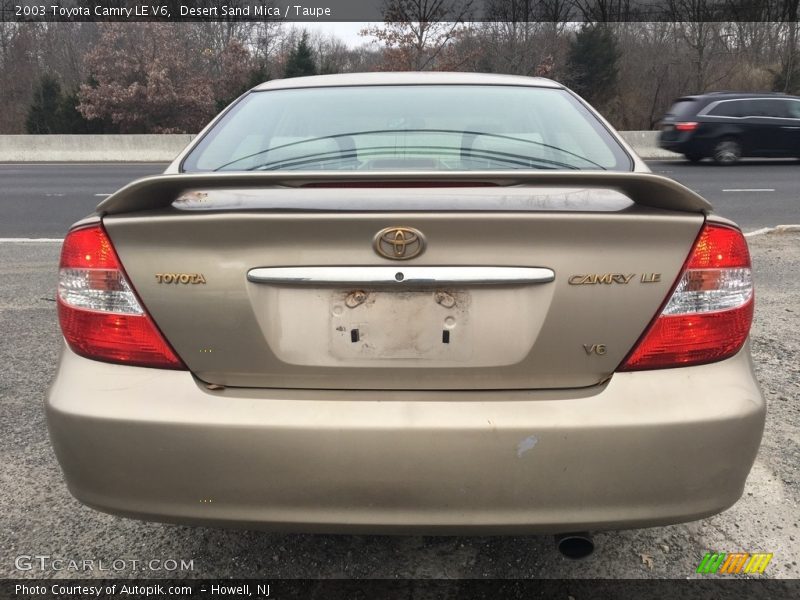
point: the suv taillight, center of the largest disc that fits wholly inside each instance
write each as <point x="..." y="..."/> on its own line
<point x="708" y="315"/>
<point x="101" y="317"/>
<point x="686" y="126"/>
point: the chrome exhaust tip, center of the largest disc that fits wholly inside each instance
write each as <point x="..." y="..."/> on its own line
<point x="575" y="546"/>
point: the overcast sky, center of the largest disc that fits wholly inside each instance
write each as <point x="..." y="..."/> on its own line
<point x="347" y="32"/>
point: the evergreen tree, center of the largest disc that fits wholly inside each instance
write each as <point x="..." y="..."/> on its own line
<point x="593" y="63"/>
<point x="256" y="76"/>
<point x="44" y="114"/>
<point x="301" y="60"/>
<point x="53" y="111"/>
<point x="72" y="121"/>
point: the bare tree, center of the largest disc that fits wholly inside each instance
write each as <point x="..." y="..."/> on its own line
<point x="604" y="11"/>
<point x="788" y="77"/>
<point x="173" y="76"/>
<point x="524" y="37"/>
<point x="19" y="72"/>
<point x="694" y="23"/>
<point x="416" y="33"/>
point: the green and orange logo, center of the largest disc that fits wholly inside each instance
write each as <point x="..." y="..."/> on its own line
<point x="734" y="563"/>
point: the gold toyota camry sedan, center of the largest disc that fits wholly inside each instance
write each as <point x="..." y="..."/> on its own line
<point x="407" y="302"/>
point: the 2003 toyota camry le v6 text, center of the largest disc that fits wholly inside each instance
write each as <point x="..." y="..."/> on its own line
<point x="406" y="302"/>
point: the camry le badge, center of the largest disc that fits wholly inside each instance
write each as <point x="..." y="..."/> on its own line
<point x="399" y="243"/>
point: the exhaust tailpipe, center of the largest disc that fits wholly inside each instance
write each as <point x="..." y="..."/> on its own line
<point x="575" y="545"/>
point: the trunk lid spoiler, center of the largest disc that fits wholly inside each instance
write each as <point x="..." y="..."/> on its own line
<point x="645" y="189"/>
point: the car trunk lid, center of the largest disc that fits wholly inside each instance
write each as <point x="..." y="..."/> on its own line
<point x="517" y="287"/>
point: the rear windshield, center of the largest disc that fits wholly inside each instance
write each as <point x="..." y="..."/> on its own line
<point x="684" y="108"/>
<point x="420" y="127"/>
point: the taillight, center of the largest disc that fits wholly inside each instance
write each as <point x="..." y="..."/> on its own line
<point x="100" y="315"/>
<point x="686" y="126"/>
<point x="708" y="315"/>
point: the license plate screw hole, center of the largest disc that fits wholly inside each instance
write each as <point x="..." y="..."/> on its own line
<point x="354" y="335"/>
<point x="445" y="336"/>
<point x="355" y="298"/>
<point x="444" y="299"/>
<point x="399" y="276"/>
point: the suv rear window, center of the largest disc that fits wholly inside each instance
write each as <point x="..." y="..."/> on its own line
<point x="684" y="108"/>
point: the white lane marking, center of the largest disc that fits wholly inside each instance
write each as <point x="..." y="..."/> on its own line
<point x="750" y="190"/>
<point x="31" y="240"/>
<point x="56" y="195"/>
<point x="779" y="228"/>
<point x="102" y="195"/>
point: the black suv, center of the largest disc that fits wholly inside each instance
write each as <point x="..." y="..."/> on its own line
<point x="729" y="125"/>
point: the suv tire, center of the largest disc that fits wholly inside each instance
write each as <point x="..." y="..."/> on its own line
<point x="727" y="151"/>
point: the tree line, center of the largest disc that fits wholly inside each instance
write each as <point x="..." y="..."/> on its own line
<point x="173" y="77"/>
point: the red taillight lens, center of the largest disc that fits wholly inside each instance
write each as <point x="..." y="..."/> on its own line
<point x="708" y="315"/>
<point x="101" y="317"/>
<point x="719" y="247"/>
<point x="686" y="126"/>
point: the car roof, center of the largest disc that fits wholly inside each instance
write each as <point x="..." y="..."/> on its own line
<point x="407" y="78"/>
<point x="711" y="96"/>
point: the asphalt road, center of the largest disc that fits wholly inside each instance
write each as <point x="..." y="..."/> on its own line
<point x="754" y="193"/>
<point x="43" y="200"/>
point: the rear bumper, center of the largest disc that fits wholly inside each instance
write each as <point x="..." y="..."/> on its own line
<point x="672" y="147"/>
<point x="646" y="448"/>
<point x="679" y="145"/>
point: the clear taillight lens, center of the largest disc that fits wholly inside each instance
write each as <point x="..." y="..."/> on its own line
<point x="710" y="290"/>
<point x="97" y="289"/>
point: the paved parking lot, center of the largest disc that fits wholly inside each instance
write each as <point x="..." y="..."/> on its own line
<point x="39" y="517"/>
